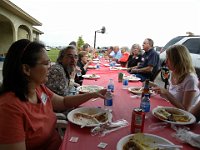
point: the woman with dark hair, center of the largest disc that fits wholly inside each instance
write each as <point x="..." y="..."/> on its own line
<point x="26" y="104"/>
<point x="83" y="63"/>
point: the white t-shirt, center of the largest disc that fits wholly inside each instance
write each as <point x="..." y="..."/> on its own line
<point x="190" y="83"/>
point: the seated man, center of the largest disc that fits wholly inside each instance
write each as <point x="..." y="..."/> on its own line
<point x="150" y="62"/>
<point x="116" y="54"/>
<point x="61" y="75"/>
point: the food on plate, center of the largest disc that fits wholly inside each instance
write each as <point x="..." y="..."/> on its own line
<point x="93" y="76"/>
<point x="132" y="145"/>
<point x="162" y="114"/>
<point x="88" y="119"/>
<point x="138" y="90"/>
<point x="138" y="142"/>
<point x="171" y="115"/>
<point x="88" y="88"/>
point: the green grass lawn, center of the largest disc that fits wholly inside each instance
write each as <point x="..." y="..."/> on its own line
<point x="53" y="54"/>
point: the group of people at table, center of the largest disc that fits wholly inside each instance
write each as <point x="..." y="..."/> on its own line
<point x="32" y="90"/>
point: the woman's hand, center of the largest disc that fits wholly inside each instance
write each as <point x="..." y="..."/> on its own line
<point x="163" y="92"/>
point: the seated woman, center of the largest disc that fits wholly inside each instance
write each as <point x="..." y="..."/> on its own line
<point x="135" y="56"/>
<point x="125" y="55"/>
<point x="195" y="109"/>
<point x="26" y="104"/>
<point x="183" y="89"/>
<point x="83" y="63"/>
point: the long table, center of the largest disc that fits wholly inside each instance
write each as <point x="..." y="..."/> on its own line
<point x="122" y="109"/>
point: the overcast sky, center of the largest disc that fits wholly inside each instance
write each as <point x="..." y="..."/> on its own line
<point x="126" y="21"/>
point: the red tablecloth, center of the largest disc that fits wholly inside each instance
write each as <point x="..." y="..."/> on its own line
<point x="122" y="109"/>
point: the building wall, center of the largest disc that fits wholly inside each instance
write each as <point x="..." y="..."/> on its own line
<point x="6" y="37"/>
<point x="13" y="28"/>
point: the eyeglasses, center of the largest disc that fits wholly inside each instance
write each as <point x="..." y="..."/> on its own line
<point x="45" y="63"/>
<point x="72" y="56"/>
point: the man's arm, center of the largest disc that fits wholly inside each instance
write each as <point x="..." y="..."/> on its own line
<point x="147" y="69"/>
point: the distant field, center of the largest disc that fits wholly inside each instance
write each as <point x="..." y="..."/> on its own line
<point x="53" y="54"/>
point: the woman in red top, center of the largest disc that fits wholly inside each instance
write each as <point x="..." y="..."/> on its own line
<point x="27" y="120"/>
<point x="125" y="55"/>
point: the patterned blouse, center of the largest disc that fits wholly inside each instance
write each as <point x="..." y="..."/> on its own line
<point x="59" y="81"/>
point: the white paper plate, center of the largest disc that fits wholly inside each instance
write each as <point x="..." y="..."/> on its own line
<point x="185" y="113"/>
<point x="90" y="111"/>
<point x="124" y="68"/>
<point x="96" y="59"/>
<point x="91" y="67"/>
<point x="107" y="65"/>
<point x="91" y="76"/>
<point x="113" y="68"/>
<point x="138" y="90"/>
<point x="148" y="139"/>
<point x="132" y="78"/>
<point x="89" y="88"/>
<point x="117" y="64"/>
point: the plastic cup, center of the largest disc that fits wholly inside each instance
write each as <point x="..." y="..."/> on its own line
<point x="125" y="83"/>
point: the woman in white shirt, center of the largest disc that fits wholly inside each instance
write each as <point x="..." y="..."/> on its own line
<point x="183" y="89"/>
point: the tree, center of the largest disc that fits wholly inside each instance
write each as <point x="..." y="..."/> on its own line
<point x="80" y="43"/>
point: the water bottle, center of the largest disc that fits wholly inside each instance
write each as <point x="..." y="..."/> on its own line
<point x="145" y="103"/>
<point x="111" y="85"/>
<point x="98" y="66"/>
<point x="108" y="101"/>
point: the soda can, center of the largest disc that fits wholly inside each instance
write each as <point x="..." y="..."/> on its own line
<point x="137" y="122"/>
<point x="120" y="77"/>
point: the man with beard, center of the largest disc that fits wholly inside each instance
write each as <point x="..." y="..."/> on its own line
<point x="62" y="73"/>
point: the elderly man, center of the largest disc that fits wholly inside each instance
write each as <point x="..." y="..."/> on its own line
<point x="116" y="53"/>
<point x="150" y="62"/>
<point x="61" y="75"/>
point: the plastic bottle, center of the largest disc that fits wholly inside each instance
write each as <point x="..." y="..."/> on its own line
<point x="111" y="85"/>
<point x="108" y="101"/>
<point x="145" y="103"/>
<point x="98" y="65"/>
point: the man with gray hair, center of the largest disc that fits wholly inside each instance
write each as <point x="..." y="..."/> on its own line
<point x="150" y="62"/>
<point x="61" y="75"/>
<point x="116" y="54"/>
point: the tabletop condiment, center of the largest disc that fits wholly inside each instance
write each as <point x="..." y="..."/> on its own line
<point x="120" y="77"/>
<point x="137" y="122"/>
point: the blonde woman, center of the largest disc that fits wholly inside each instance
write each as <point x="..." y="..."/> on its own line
<point x="183" y="89"/>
